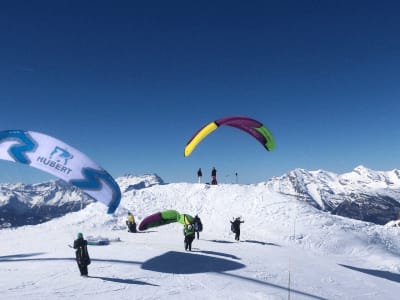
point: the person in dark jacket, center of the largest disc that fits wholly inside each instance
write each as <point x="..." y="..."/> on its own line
<point x="214" y="176"/>
<point x="198" y="226"/>
<point x="188" y="232"/>
<point x="235" y="227"/>
<point x="199" y="174"/>
<point x="82" y="254"/>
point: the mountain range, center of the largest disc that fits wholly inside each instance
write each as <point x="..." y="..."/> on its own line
<point x="362" y="194"/>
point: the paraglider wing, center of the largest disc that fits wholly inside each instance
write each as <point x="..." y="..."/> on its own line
<point x="159" y="219"/>
<point x="185" y="219"/>
<point x="61" y="160"/>
<point x="198" y="137"/>
<point x="251" y="126"/>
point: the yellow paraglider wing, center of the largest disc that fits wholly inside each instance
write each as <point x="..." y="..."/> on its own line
<point x="248" y="125"/>
<point x="198" y="137"/>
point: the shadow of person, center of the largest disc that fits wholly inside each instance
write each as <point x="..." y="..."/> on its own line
<point x="261" y="243"/>
<point x="124" y="281"/>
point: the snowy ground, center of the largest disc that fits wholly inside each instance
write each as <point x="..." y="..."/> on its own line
<point x="288" y="250"/>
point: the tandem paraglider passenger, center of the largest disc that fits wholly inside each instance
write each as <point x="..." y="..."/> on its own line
<point x="130" y="222"/>
<point x="82" y="254"/>
<point x="188" y="232"/>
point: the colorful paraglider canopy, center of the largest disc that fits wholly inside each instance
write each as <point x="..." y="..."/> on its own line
<point x="163" y="218"/>
<point x="248" y="125"/>
<point x="158" y="219"/>
<point x="53" y="156"/>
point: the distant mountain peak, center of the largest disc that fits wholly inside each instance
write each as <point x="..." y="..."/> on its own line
<point x="363" y="193"/>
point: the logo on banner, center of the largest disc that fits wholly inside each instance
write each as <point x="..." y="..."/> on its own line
<point x="61" y="155"/>
<point x="57" y="160"/>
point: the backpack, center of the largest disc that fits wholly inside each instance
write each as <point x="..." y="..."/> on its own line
<point x="82" y="256"/>
<point x="199" y="226"/>
<point x="233" y="228"/>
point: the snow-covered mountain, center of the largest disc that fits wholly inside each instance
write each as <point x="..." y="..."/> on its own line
<point x="362" y="194"/>
<point x="23" y="204"/>
<point x="30" y="204"/>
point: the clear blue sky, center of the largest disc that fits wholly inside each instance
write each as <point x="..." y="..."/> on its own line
<point x="129" y="82"/>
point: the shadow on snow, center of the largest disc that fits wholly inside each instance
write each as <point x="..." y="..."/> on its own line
<point x="221" y="241"/>
<point x="244" y="241"/>
<point x="378" y="273"/>
<point x="8" y="257"/>
<point x="125" y="281"/>
<point x="24" y="257"/>
<point x="217" y="253"/>
<point x="261" y="243"/>
<point x="188" y="263"/>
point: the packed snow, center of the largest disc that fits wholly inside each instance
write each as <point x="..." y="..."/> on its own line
<point x="288" y="250"/>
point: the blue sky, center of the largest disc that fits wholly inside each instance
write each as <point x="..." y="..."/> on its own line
<point x="129" y="82"/>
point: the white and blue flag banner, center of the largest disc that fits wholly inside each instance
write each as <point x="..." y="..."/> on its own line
<point x="61" y="160"/>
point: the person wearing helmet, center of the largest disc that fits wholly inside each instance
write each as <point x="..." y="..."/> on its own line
<point x="188" y="232"/>
<point x="82" y="254"/>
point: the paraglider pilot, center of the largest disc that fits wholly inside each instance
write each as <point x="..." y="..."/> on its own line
<point x="199" y="174"/>
<point x="131" y="222"/>
<point x="235" y="227"/>
<point x="214" y="176"/>
<point x="188" y="232"/>
<point x="82" y="254"/>
<point x="198" y="226"/>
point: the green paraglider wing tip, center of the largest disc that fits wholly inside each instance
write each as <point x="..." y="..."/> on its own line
<point x="270" y="142"/>
<point x="170" y="215"/>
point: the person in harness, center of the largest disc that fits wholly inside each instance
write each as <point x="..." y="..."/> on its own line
<point x="82" y="254"/>
<point x="235" y="227"/>
<point x="130" y="222"/>
<point x="188" y="232"/>
<point x="198" y="226"/>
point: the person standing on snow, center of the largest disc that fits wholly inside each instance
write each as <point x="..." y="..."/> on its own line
<point x="199" y="174"/>
<point x="235" y="227"/>
<point x="131" y="222"/>
<point x="188" y="232"/>
<point x="82" y="254"/>
<point x="198" y="226"/>
<point x="214" y="176"/>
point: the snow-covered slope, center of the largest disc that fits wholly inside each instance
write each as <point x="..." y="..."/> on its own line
<point x="288" y="249"/>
